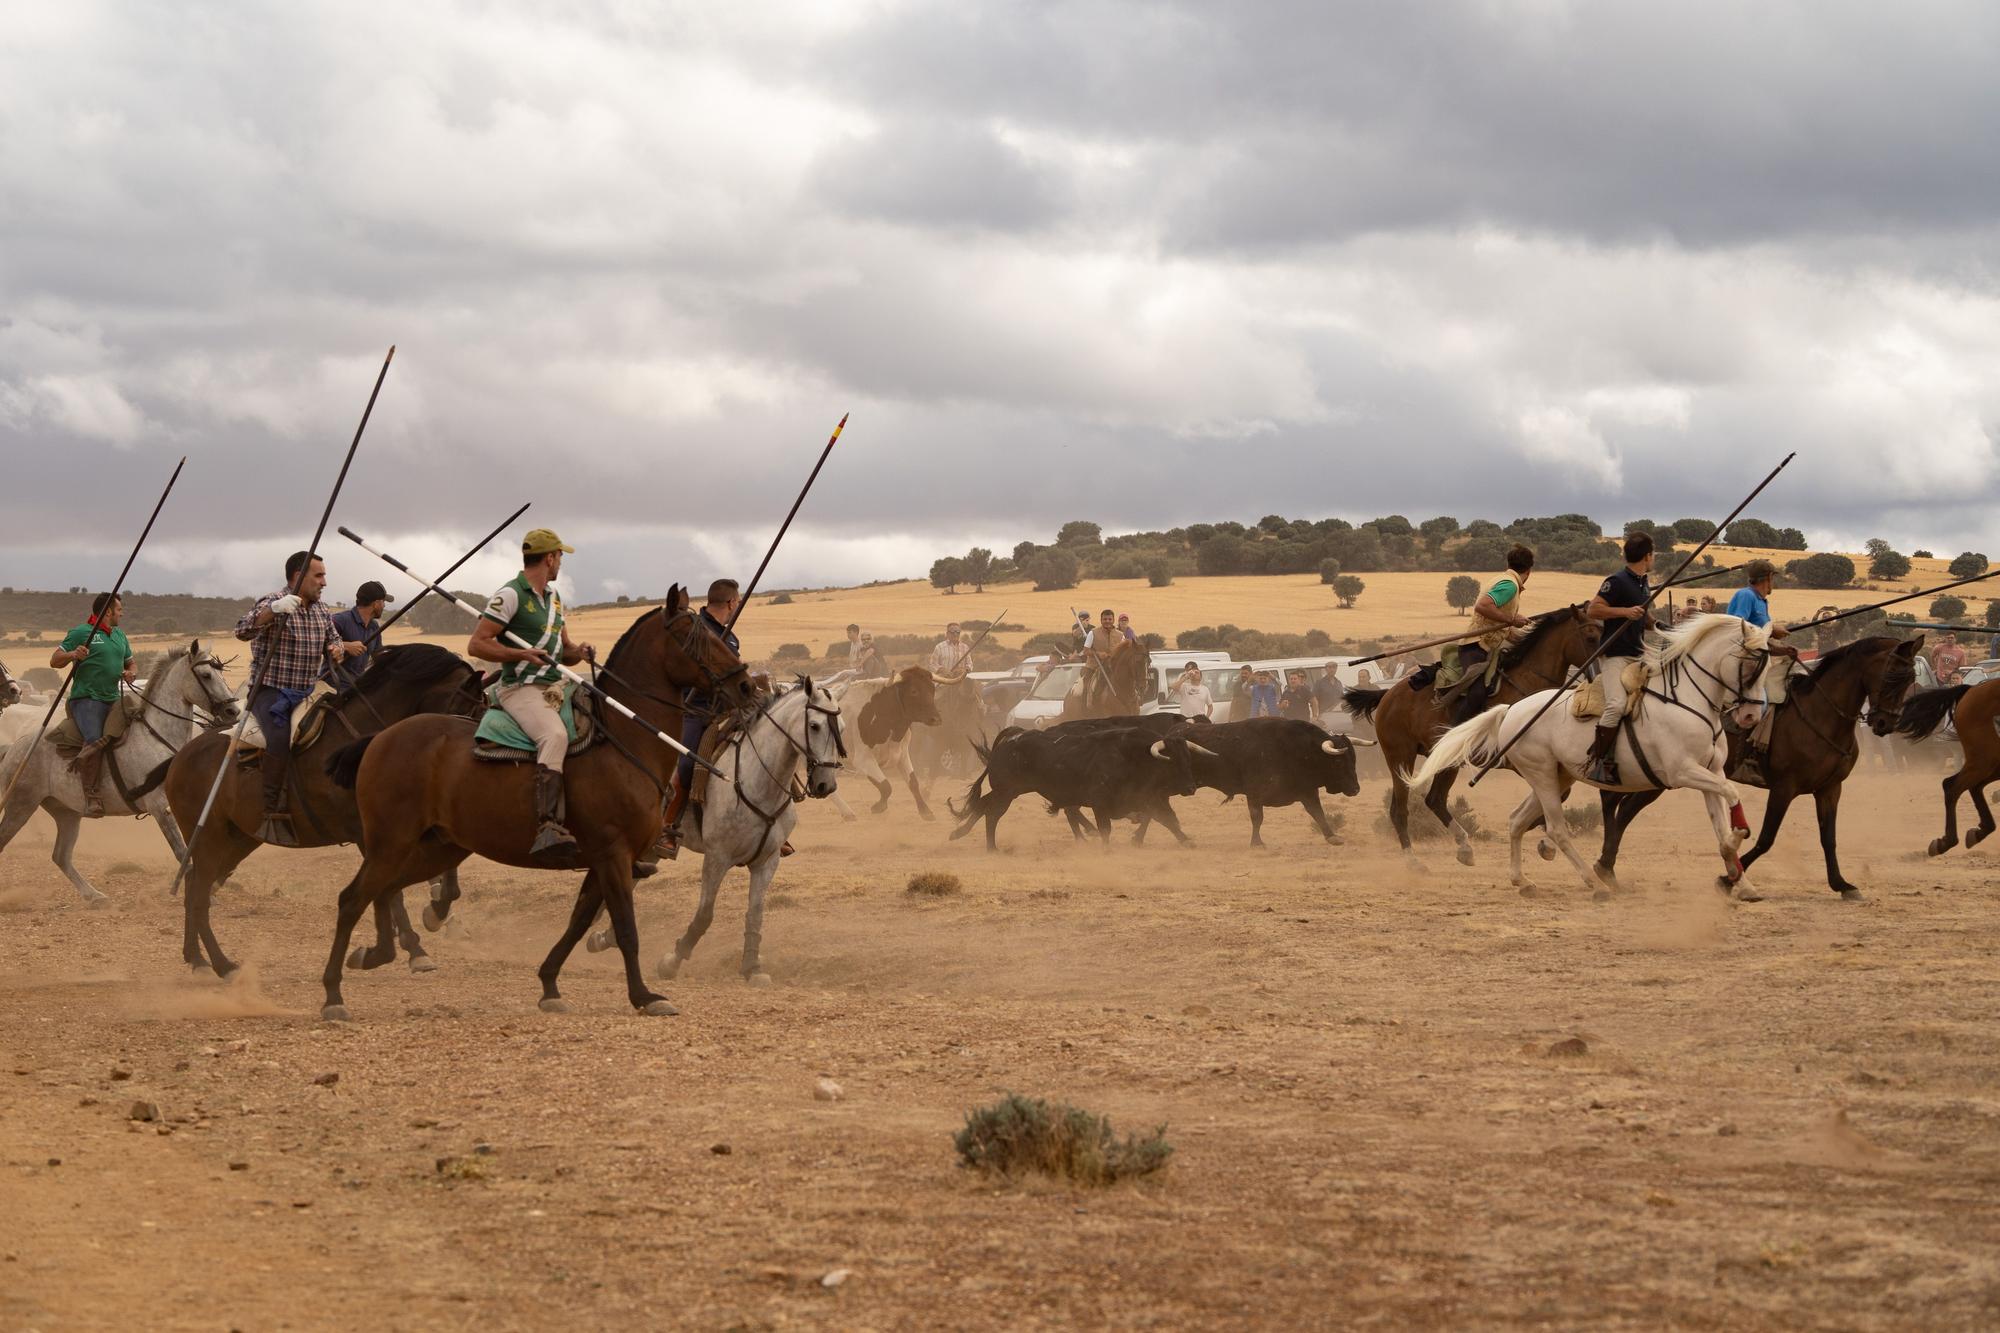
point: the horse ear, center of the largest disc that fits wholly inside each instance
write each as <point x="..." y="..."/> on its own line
<point x="1908" y="647"/>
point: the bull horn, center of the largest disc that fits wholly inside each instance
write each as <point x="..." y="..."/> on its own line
<point x="1329" y="747"/>
<point x="1159" y="749"/>
<point x="1357" y="740"/>
<point x="1202" y="750"/>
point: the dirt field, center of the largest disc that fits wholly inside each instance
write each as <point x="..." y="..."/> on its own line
<point x="1787" y="1114"/>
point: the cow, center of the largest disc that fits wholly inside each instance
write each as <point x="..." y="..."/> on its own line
<point x="884" y="710"/>
<point x="1112" y="772"/>
<point x="1275" y="761"/>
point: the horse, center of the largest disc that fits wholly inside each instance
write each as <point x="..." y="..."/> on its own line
<point x="188" y="679"/>
<point x="1410" y="715"/>
<point x="752" y="808"/>
<point x="1813" y="746"/>
<point x="884" y="711"/>
<point x="401" y="681"/>
<point x="10" y="689"/>
<point x="1706" y="665"/>
<point x="1974" y="711"/>
<point x="1114" y="682"/>
<point x="427" y="802"/>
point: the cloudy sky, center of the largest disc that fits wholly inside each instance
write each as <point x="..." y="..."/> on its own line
<point x="1144" y="264"/>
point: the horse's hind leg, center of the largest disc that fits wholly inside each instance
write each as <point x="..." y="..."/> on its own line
<point x="444" y="892"/>
<point x="713" y="870"/>
<point x="1438" y="802"/>
<point x="68" y="824"/>
<point x="1549" y="793"/>
<point x="1975" y="836"/>
<point x="1939" y="846"/>
<point x="753" y="921"/>
<point x="369" y="884"/>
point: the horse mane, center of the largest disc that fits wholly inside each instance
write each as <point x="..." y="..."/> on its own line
<point x="1837" y="657"/>
<point x="1517" y="653"/>
<point x="1690" y="635"/>
<point x="416" y="664"/>
<point x="630" y="630"/>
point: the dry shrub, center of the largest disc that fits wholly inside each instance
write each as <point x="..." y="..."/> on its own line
<point x="934" y="884"/>
<point x="1019" y="1134"/>
<point x="125" y="868"/>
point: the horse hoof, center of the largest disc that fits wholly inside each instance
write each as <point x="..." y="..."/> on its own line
<point x="759" y="978"/>
<point x="1852" y="896"/>
<point x="420" y="962"/>
<point x="1601" y="896"/>
<point x="1526" y="890"/>
<point x="555" y="1005"/>
<point x="334" y="1013"/>
<point x="1747" y="895"/>
<point x="1546" y="850"/>
<point x="98" y="903"/>
<point x="1464" y="855"/>
<point x="432" y="920"/>
<point x="1973" y="837"/>
<point x="597" y="941"/>
<point x="668" y="968"/>
<point x="1939" y="847"/>
<point x="203" y="972"/>
<point x="357" y="960"/>
<point x="659" y="1009"/>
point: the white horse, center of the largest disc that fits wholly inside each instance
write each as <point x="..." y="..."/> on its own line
<point x="186" y="680"/>
<point x="1703" y="668"/>
<point x="751" y="809"/>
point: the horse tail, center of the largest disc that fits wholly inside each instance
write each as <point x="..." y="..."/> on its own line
<point x="1469" y="742"/>
<point x="345" y="764"/>
<point x="1923" y="712"/>
<point x="1363" y="703"/>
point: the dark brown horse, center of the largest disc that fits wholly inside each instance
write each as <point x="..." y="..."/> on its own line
<point x="1973" y="710"/>
<point x="1409" y="715"/>
<point x="1114" y="682"/>
<point x="401" y="682"/>
<point x="427" y="803"/>
<point x="1813" y="746"/>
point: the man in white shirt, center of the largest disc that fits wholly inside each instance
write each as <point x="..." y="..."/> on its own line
<point x="854" y="645"/>
<point x="1194" y="696"/>
<point x="950" y="656"/>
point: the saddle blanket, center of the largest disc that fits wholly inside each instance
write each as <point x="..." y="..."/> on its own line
<point x="307" y="713"/>
<point x="1589" y="700"/>
<point x="64" y="735"/>
<point x="497" y="728"/>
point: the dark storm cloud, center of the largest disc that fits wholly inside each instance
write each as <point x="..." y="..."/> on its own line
<point x="1142" y="264"/>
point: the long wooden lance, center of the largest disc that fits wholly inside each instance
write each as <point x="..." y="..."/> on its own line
<point x="425" y="591"/>
<point x="90" y="640"/>
<point x="270" y="630"/>
<point x="967" y="659"/>
<point x="1993" y="573"/>
<point x="782" y="527"/>
<point x="1577" y="674"/>
<point x="1095" y="657"/>
<point x="519" y="642"/>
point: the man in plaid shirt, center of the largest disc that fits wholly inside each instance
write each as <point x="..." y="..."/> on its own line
<point x="292" y="636"/>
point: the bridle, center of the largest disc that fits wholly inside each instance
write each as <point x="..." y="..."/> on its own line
<point x="1757" y="659"/>
<point x="801" y="745"/>
<point x="209" y="701"/>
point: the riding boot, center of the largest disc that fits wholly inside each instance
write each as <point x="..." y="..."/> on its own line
<point x="90" y="769"/>
<point x="553" y="847"/>
<point x="1603" y="761"/>
<point x="668" y="845"/>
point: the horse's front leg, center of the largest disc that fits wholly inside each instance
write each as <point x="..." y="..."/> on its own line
<point x="1827" y="803"/>
<point x="68" y="825"/>
<point x="1525" y="817"/>
<point x="444" y="892"/>
<point x="761" y="875"/>
<point x="1438" y="801"/>
<point x="616" y="876"/>
<point x="1781" y="799"/>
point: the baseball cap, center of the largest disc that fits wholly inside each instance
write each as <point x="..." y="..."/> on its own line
<point x="371" y="591"/>
<point x="542" y="541"/>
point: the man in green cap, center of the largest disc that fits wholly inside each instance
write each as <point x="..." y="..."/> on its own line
<point x="530" y="611"/>
<point x="103" y="660"/>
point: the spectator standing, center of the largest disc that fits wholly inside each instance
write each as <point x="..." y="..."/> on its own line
<point x="1326" y="690"/>
<point x="1193" y="695"/>
<point x="854" y="645"/>
<point x="1264" y="696"/>
<point x="1297" y="702"/>
<point x="1948" y="659"/>
<point x="1246" y="695"/>
<point x="1125" y="628"/>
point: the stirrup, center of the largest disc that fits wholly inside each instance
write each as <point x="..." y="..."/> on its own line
<point x="552" y="837"/>
<point x="93" y="806"/>
<point x="667" y="847"/>
<point x="276" y="829"/>
<point x="1604" y="771"/>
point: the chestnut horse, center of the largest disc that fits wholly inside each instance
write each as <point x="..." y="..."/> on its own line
<point x="427" y="803"/>
<point x="400" y="682"/>
<point x="1409" y="716"/>
<point x="1813" y="747"/>
<point x="1974" y="710"/>
<point x="1114" y="683"/>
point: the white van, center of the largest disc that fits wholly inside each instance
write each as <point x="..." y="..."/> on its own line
<point x="1044" y="702"/>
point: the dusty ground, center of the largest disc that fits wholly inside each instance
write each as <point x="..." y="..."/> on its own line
<point x="1788" y="1114"/>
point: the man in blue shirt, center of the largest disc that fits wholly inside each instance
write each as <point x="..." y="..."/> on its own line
<point x="1621" y="599"/>
<point x="723" y="600"/>
<point x="1752" y="604"/>
<point x="357" y="625"/>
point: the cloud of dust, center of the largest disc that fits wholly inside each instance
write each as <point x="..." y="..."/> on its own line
<point x="242" y="996"/>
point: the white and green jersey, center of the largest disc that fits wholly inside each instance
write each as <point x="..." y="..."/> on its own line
<point x="532" y="619"/>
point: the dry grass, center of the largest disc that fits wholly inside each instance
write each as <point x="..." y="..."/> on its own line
<point x="933" y="884"/>
<point x="1020" y="1134"/>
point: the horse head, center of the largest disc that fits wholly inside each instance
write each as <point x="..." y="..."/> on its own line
<point x="824" y="747"/>
<point x="10" y="689"/>
<point x="199" y="681"/>
<point x="1889" y="674"/>
<point x="688" y="655"/>
<point x="1579" y="635"/>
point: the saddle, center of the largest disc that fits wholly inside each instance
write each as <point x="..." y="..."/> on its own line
<point x="1589" y="699"/>
<point x="719" y="733"/>
<point x="308" y="724"/>
<point x="499" y="739"/>
<point x="67" y="739"/>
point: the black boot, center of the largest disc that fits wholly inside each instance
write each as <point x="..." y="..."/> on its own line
<point x="1749" y="765"/>
<point x="276" y="830"/>
<point x="553" y="847"/>
<point x="1603" y="762"/>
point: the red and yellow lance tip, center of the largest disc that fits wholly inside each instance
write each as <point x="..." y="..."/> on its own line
<point x="837" y="429"/>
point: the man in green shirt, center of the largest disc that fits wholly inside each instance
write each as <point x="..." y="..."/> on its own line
<point x="528" y="609"/>
<point x="103" y="660"/>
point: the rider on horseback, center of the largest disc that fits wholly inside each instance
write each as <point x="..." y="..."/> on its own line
<point x="723" y="599"/>
<point x="1623" y="597"/>
<point x="1499" y="613"/>
<point x="1752" y="603"/>
<point x="103" y="661"/>
<point x="530" y="686"/>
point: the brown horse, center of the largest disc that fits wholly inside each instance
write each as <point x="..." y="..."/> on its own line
<point x="1114" y="683"/>
<point x="427" y="803"/>
<point x="1974" y="710"/>
<point x="401" y="682"/>
<point x="1409" y="716"/>
<point x="1813" y="747"/>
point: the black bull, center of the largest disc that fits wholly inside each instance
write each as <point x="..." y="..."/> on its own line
<point x="1112" y="772"/>
<point x="1268" y="761"/>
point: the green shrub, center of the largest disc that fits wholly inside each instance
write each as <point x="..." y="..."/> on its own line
<point x="1019" y="1134"/>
